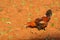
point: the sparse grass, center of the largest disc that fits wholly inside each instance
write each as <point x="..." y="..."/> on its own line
<point x="52" y="24"/>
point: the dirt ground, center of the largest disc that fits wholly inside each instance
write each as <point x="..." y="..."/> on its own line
<point x="14" y="14"/>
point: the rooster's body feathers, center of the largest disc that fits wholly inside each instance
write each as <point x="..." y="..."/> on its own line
<point x="41" y="23"/>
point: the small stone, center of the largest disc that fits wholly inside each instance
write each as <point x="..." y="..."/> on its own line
<point x="8" y="22"/>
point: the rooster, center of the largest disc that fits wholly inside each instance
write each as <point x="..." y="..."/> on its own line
<point x="41" y="23"/>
